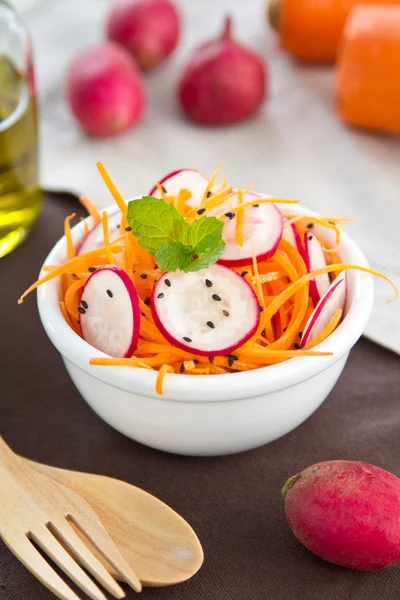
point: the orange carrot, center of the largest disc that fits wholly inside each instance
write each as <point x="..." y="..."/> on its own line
<point x="311" y="29"/>
<point x="68" y="236"/>
<point x="368" y="71"/>
<point x="91" y="209"/>
<point x="160" y="377"/>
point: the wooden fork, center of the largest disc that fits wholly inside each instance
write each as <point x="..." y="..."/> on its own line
<point x="35" y="508"/>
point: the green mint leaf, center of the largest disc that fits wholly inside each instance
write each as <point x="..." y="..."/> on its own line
<point x="208" y="258"/>
<point x="155" y="222"/>
<point x="173" y="255"/>
<point x="204" y="233"/>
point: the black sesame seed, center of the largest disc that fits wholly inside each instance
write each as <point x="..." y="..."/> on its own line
<point x="284" y="329"/>
<point x="182" y="368"/>
<point x="211" y="359"/>
<point x="187" y="339"/>
<point x="91" y="269"/>
<point x="232" y="360"/>
<point x="164" y="189"/>
<point x="310" y="237"/>
<point x="225" y="312"/>
<point x="209" y="193"/>
<point x="128" y="228"/>
<point x="109" y="293"/>
<point x="167" y="282"/>
<point x="244" y="273"/>
<point x="263" y="333"/>
<point x="310" y="225"/>
<point x="118" y="226"/>
<point x="143" y="276"/>
<point x="261" y="308"/>
<point x="196" y="362"/>
<point x="216" y="297"/>
<point x="81" y="310"/>
<point x="230" y="215"/>
<point x="84" y="304"/>
<point x="160" y="295"/>
<point x="208" y="283"/>
<point x="256" y="205"/>
<point x="297" y="346"/>
<point x="201" y="211"/>
<point x="300" y="334"/>
<point x="147" y="302"/>
<point x="143" y="314"/>
<point x="210" y="324"/>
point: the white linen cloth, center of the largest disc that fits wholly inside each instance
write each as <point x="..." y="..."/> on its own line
<point x="296" y="147"/>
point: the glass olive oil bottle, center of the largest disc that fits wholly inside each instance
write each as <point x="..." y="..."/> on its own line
<point x="20" y="195"/>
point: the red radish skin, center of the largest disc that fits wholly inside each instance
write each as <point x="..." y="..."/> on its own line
<point x="346" y="512"/>
<point x="190" y="179"/>
<point x="105" y="91"/>
<point x="291" y="234"/>
<point x="192" y="309"/>
<point x="314" y="258"/>
<point x="334" y="299"/>
<point x="223" y="82"/>
<point x="149" y="29"/>
<point x="262" y="231"/>
<point x="110" y="312"/>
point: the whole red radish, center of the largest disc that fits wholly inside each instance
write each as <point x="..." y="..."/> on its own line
<point x="105" y="90"/>
<point x="149" y="29"/>
<point x="346" y="512"/>
<point x="223" y="82"/>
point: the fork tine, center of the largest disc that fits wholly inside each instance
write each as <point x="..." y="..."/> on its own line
<point x="30" y="557"/>
<point x="75" y="545"/>
<point x="104" y="544"/>
<point x="60" y="556"/>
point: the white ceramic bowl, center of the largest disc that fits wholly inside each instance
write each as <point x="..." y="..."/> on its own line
<point x="209" y="415"/>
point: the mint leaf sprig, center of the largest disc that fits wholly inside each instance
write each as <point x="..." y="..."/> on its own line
<point x="163" y="232"/>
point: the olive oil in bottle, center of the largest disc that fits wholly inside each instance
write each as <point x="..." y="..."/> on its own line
<point x="20" y="195"/>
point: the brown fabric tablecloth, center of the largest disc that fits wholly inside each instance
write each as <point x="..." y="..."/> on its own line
<point x="232" y="502"/>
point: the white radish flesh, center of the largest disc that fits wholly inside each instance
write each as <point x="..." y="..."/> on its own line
<point x="95" y="238"/>
<point x="291" y="235"/>
<point x="334" y="299"/>
<point x="189" y="179"/>
<point x="315" y="259"/>
<point x="110" y="313"/>
<point x="209" y="312"/>
<point x="262" y="230"/>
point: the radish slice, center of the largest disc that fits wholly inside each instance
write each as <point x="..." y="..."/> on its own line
<point x="315" y="259"/>
<point x="262" y="231"/>
<point x="110" y="313"/>
<point x="95" y="239"/>
<point x="291" y="234"/>
<point x="323" y="313"/>
<point x="189" y="179"/>
<point x="209" y="312"/>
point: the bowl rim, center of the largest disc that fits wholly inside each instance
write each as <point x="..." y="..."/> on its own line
<point x="203" y="388"/>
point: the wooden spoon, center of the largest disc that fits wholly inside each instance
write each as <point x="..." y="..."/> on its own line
<point x="154" y="540"/>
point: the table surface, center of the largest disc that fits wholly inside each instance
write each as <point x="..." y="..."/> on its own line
<point x="232" y="502"/>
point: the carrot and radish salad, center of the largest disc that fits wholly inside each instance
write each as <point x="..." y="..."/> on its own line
<point x="198" y="278"/>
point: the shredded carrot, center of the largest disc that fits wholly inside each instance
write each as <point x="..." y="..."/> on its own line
<point x="85" y="225"/>
<point x="68" y="236"/>
<point x="280" y="283"/>
<point x="90" y="208"/>
<point x="72" y="298"/>
<point x="113" y="190"/>
<point x="160" y="377"/>
<point x="104" y="219"/>
<point x="240" y="222"/>
<point x="327" y="331"/>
